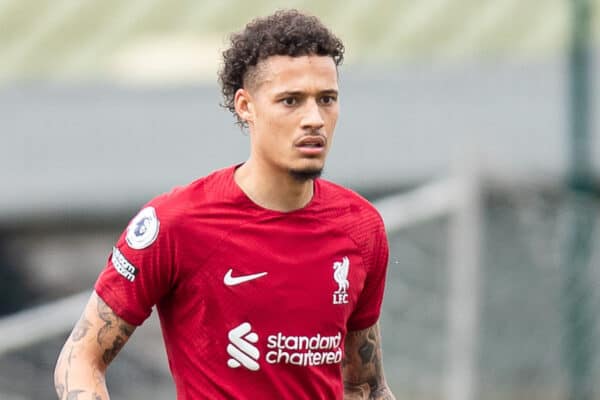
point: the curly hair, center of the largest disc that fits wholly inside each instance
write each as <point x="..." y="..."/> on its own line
<point x="286" y="32"/>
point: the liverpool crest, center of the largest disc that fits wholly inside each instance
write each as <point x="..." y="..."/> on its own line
<point x="340" y="274"/>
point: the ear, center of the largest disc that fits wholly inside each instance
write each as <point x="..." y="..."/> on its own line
<point x="244" y="107"/>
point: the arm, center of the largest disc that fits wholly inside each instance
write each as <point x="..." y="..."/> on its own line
<point x="362" y="368"/>
<point x="94" y="343"/>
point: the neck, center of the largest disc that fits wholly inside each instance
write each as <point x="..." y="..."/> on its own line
<point x="273" y="190"/>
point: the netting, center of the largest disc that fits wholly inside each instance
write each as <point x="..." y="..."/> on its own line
<point x="533" y="319"/>
<point x="414" y="317"/>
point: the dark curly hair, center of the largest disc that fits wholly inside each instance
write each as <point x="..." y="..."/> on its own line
<point x="286" y="32"/>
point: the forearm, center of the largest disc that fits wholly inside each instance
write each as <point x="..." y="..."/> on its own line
<point x="365" y="392"/>
<point x="95" y="341"/>
<point x="362" y="367"/>
<point x="356" y="392"/>
<point x="78" y="378"/>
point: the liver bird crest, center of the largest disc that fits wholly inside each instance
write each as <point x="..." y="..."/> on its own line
<point x="340" y="274"/>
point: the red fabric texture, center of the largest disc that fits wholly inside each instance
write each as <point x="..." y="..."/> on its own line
<point x="290" y="322"/>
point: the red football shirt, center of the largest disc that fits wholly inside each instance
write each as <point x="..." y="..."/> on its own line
<point x="253" y="303"/>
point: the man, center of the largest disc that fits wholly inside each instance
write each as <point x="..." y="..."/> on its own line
<point x="268" y="281"/>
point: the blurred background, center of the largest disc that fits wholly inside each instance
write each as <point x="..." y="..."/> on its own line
<point x="473" y="125"/>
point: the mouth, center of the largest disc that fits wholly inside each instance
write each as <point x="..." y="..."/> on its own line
<point x="311" y="146"/>
<point x="311" y="142"/>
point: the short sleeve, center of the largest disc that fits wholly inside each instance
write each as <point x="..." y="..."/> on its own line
<point x="368" y="308"/>
<point x="140" y="268"/>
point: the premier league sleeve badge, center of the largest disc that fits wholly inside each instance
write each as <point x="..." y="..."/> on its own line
<point x="143" y="229"/>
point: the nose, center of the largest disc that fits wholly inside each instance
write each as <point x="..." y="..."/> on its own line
<point x="312" y="118"/>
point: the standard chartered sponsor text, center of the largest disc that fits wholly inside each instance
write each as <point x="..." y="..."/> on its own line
<point x="304" y="350"/>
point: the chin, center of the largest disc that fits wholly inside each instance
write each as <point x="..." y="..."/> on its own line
<point x="305" y="174"/>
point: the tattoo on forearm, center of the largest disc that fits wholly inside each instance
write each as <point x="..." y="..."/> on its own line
<point x="111" y="337"/>
<point x="109" y="318"/>
<point x="382" y="394"/>
<point x="74" y="394"/>
<point x="81" y="329"/>
<point x="113" y="345"/>
<point x="363" y="367"/>
<point x="367" y="349"/>
<point x="126" y="330"/>
<point x="63" y="387"/>
<point x="71" y="394"/>
<point x="110" y="354"/>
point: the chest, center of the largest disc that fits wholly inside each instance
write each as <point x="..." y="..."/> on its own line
<point x="308" y="276"/>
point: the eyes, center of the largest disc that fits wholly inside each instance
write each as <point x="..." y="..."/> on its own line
<point x="289" y="101"/>
<point x="328" y="99"/>
<point x="324" y="100"/>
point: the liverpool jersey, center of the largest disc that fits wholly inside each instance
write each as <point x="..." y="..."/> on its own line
<point x="253" y="303"/>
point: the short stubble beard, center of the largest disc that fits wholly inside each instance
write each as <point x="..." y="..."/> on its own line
<point x="303" y="175"/>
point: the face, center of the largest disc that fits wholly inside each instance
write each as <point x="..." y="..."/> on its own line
<point x="291" y="107"/>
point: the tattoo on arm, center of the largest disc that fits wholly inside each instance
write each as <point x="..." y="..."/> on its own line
<point x="367" y="349"/>
<point x="74" y="395"/>
<point x="363" y="367"/>
<point x="96" y="340"/>
<point x="81" y="329"/>
<point x="111" y="321"/>
<point x="110" y="354"/>
<point x="64" y="389"/>
<point x="71" y="394"/>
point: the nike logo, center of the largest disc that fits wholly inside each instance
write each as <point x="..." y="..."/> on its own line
<point x="236" y="280"/>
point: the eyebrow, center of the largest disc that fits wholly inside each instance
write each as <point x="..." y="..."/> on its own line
<point x="299" y="92"/>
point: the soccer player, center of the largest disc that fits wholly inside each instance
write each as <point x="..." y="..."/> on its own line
<point x="268" y="280"/>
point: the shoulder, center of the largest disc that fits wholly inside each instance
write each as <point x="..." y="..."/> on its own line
<point x="355" y="207"/>
<point x="171" y="209"/>
<point x="200" y="192"/>
<point x="351" y="213"/>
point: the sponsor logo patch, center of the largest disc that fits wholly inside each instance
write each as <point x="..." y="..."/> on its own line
<point x="241" y="348"/>
<point x="303" y="351"/>
<point x="123" y="266"/>
<point x="143" y="229"/>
